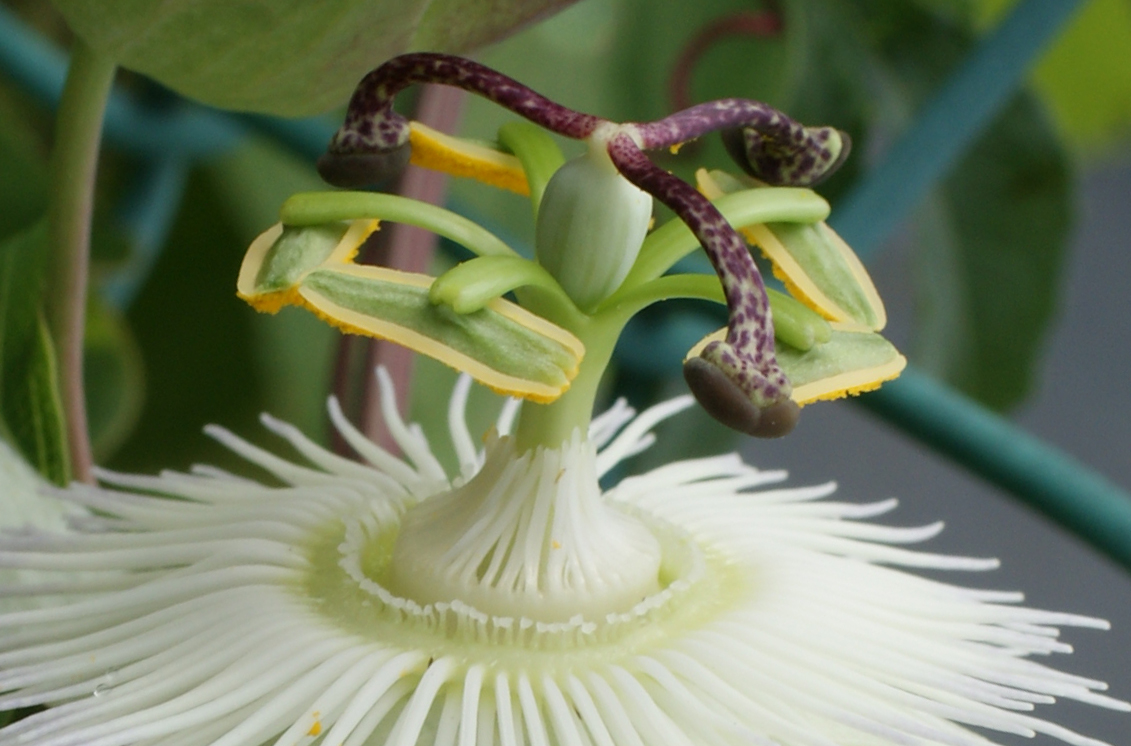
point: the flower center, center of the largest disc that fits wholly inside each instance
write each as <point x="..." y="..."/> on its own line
<point x="526" y="556"/>
<point x="529" y="536"/>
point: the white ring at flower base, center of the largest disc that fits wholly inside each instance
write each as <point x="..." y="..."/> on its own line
<point x="529" y="536"/>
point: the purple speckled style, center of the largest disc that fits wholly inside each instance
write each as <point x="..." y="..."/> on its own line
<point x="765" y="142"/>
<point x="773" y="147"/>
<point x="747" y="355"/>
<point x="371" y="125"/>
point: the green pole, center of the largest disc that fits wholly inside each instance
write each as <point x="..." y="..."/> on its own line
<point x="1041" y="476"/>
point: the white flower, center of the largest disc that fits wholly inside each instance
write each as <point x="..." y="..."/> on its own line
<point x="22" y="502"/>
<point x="218" y="610"/>
<point x="25" y="507"/>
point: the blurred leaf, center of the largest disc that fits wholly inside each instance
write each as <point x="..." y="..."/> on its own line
<point x="838" y="71"/>
<point x="1086" y="77"/>
<point x="994" y="244"/>
<point x="113" y="377"/>
<point x="287" y="57"/>
<point x="33" y="409"/>
<point x="29" y="401"/>
<point x="195" y="340"/>
<point x="23" y="172"/>
<point x="991" y="240"/>
<point x="293" y="350"/>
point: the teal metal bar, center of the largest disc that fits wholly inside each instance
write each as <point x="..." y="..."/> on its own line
<point x="1043" y="477"/>
<point x="948" y="124"/>
<point x="1046" y="478"/>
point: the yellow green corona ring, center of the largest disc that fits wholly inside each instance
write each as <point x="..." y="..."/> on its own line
<point x="501" y="345"/>
<point x="813" y="262"/>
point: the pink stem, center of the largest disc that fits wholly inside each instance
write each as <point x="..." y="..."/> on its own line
<point x="408" y="248"/>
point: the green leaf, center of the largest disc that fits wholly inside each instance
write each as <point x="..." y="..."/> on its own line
<point x="32" y="407"/>
<point x="991" y="240"/>
<point x="1086" y="77"/>
<point x="29" y="398"/>
<point x="993" y="244"/>
<point x="287" y="57"/>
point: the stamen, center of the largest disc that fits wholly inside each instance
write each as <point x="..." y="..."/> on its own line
<point x="738" y="380"/>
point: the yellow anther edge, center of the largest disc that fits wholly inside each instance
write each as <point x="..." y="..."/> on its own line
<point x="458" y="157"/>
<point x="353" y="322"/>
<point x="347" y="249"/>
<point x="849" y="383"/>
<point x="340" y="260"/>
<point x="252" y="261"/>
<point x="343" y="253"/>
<point x="794" y="277"/>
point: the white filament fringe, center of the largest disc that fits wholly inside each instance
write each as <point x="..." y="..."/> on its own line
<point x="223" y="612"/>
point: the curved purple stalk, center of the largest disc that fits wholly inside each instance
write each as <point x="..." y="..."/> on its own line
<point x="742" y="383"/>
<point x="765" y="142"/>
<point x="373" y="139"/>
<point x="372" y="142"/>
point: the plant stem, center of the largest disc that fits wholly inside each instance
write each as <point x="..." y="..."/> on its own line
<point x="74" y="164"/>
<point x="550" y="425"/>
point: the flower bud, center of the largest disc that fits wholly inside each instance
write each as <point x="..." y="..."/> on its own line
<point x="591" y="224"/>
